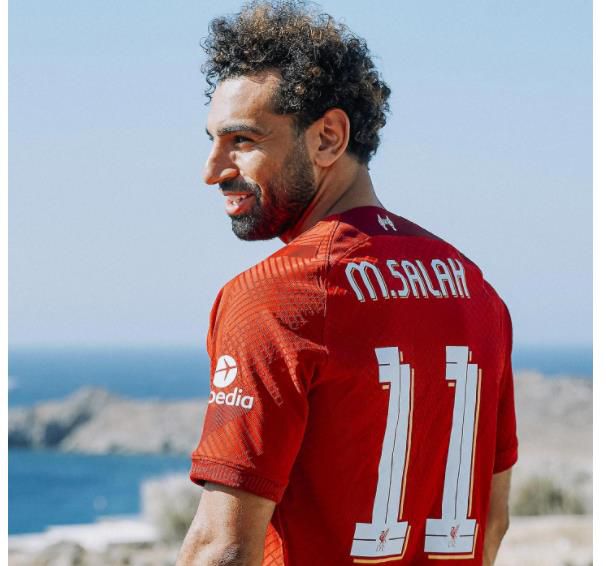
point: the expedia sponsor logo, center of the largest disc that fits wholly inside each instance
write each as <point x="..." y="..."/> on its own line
<point x="234" y="398"/>
<point x="225" y="372"/>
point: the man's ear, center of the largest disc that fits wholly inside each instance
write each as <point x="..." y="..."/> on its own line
<point x="329" y="137"/>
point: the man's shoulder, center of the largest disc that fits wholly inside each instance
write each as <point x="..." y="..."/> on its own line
<point x="289" y="285"/>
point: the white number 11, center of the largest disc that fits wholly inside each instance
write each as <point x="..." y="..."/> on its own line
<point x="454" y="531"/>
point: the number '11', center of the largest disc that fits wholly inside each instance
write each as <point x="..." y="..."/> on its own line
<point x="454" y="531"/>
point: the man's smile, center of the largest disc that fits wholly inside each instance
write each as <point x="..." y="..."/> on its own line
<point x="238" y="203"/>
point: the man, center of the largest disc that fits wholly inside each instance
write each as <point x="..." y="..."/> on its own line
<point x="361" y="406"/>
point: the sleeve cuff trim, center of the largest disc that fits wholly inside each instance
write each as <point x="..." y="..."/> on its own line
<point x="203" y="470"/>
<point x="505" y="460"/>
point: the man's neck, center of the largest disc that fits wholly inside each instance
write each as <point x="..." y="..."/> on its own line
<point x="356" y="190"/>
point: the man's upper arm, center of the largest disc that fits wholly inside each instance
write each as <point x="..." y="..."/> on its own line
<point x="229" y="527"/>
<point x="265" y="346"/>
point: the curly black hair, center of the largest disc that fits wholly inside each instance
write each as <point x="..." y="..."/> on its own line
<point x="322" y="65"/>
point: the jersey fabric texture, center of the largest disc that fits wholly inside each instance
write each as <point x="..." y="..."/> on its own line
<point x="361" y="378"/>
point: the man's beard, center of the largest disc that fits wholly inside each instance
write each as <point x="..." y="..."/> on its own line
<point x="285" y="200"/>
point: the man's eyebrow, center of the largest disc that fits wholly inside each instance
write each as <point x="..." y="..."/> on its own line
<point x="236" y="128"/>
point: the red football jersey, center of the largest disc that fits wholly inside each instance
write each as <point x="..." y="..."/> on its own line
<point x="361" y="378"/>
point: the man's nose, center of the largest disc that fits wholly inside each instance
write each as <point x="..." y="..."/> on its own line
<point x="219" y="167"/>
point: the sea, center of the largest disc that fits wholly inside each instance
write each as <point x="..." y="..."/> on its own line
<point x="52" y="488"/>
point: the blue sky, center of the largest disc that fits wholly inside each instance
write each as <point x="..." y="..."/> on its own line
<point x="114" y="239"/>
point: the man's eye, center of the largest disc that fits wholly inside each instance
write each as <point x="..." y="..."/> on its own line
<point x="241" y="139"/>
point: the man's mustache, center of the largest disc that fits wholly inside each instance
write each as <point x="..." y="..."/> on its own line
<point x="239" y="186"/>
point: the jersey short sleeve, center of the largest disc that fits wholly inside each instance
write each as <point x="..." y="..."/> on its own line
<point x="507" y="442"/>
<point x="265" y="345"/>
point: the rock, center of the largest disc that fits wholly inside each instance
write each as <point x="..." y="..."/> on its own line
<point x="140" y="427"/>
<point x="61" y="554"/>
<point x="48" y="424"/>
<point x="95" y="421"/>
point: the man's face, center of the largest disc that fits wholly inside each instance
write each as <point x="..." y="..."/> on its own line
<point x="257" y="159"/>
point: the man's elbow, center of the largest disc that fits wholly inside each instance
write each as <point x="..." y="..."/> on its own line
<point x="214" y="553"/>
<point x="227" y="554"/>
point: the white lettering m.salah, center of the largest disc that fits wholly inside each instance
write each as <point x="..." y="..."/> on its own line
<point x="443" y="280"/>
